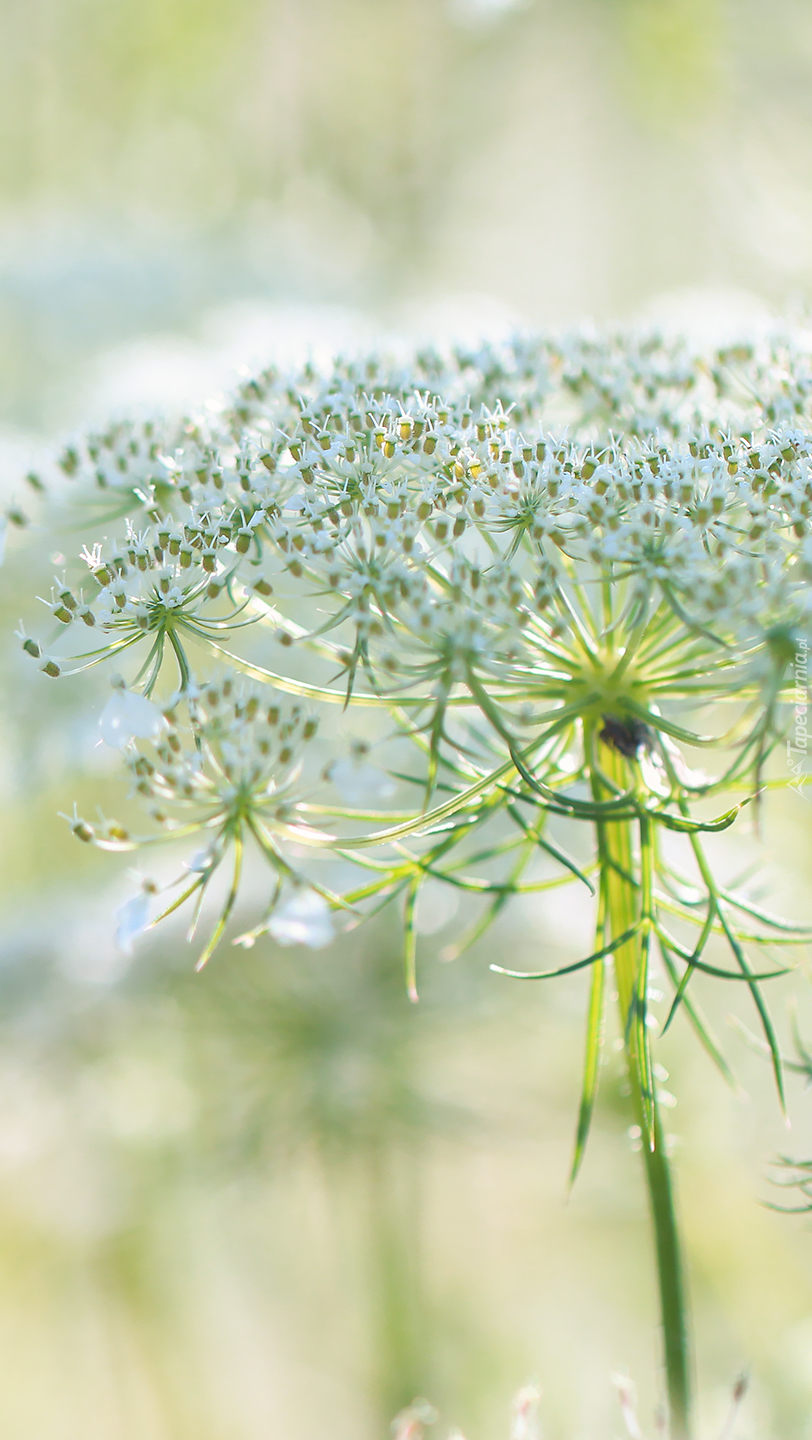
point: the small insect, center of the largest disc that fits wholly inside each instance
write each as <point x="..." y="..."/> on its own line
<point x="628" y="736"/>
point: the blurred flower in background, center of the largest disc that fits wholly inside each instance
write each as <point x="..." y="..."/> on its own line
<point x="274" y="1199"/>
<point x="213" y="172"/>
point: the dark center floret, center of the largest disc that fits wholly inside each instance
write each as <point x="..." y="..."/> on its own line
<point x="627" y="735"/>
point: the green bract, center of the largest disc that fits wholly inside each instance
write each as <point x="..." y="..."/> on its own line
<point x="549" y="567"/>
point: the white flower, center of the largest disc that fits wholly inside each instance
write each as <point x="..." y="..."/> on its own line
<point x="409" y="1423"/>
<point x="134" y="917"/>
<point x="201" y="861"/>
<point x="127" y="715"/>
<point x="524" y="1413"/>
<point x="304" y="919"/>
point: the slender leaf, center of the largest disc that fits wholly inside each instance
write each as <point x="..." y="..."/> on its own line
<point x="568" y="969"/>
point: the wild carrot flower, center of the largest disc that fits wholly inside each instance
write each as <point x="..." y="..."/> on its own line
<point x="552" y="567"/>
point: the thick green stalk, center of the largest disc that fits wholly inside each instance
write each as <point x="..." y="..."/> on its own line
<point x="626" y="906"/>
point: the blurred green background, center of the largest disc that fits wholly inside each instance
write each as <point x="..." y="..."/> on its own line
<point x="275" y="1201"/>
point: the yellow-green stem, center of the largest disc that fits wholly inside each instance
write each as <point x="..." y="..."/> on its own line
<point x="625" y="906"/>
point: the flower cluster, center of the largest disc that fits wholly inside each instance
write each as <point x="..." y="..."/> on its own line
<point x="534" y="559"/>
<point x="406" y="507"/>
<point x="223" y="766"/>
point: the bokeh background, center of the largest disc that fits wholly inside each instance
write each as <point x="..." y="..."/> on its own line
<point x="275" y="1201"/>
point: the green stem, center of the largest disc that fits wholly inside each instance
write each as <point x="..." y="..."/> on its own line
<point x="397" y="1316"/>
<point x="673" y="1299"/>
<point x="626" y="905"/>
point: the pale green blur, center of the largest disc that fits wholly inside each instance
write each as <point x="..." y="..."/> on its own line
<point x="162" y="160"/>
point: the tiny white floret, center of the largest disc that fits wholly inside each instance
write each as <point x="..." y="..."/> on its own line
<point x="303" y="919"/>
<point x="128" y="716"/>
<point x="134" y="917"/>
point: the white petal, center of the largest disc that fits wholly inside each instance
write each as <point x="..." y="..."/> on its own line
<point x="304" y="919"/>
<point x="127" y="715"/>
<point x="200" y="862"/>
<point x="133" y="919"/>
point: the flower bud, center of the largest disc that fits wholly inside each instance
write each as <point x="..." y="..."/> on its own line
<point x="69" y="460"/>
